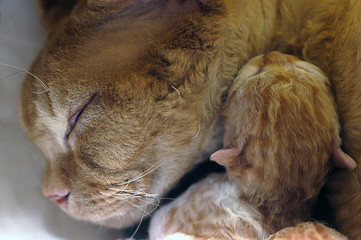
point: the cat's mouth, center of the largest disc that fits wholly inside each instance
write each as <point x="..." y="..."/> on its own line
<point x="112" y="213"/>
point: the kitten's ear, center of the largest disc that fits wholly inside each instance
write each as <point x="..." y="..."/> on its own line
<point x="340" y="158"/>
<point x="228" y="156"/>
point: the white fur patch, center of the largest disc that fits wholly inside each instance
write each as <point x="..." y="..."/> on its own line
<point x="218" y="191"/>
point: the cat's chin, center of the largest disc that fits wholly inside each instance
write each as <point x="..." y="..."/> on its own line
<point x="116" y="222"/>
<point x="111" y="222"/>
<point x="125" y="220"/>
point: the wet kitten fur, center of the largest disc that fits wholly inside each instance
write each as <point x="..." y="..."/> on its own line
<point x="198" y="52"/>
<point x="280" y="126"/>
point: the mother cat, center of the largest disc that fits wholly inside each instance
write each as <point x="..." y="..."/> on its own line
<point x="129" y="92"/>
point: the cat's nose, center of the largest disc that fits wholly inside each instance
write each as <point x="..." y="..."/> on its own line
<point x="55" y="187"/>
<point x="276" y="58"/>
<point x="60" y="198"/>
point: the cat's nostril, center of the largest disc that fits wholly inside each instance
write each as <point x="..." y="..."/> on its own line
<point x="61" y="200"/>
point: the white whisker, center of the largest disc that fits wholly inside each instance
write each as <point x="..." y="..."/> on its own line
<point x="123" y="199"/>
<point x="138" y="192"/>
<point x="140" y="222"/>
<point x="12" y="74"/>
<point x="199" y="129"/>
<point x="119" y="190"/>
<point x="147" y="203"/>
<point x="24" y="70"/>
<point x="155" y="206"/>
<point x="149" y="170"/>
<point x="176" y="90"/>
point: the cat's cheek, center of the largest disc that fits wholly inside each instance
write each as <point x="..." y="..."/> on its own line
<point x="96" y="208"/>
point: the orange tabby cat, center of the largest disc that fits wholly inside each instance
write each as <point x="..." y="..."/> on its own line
<point x="119" y="116"/>
<point x="129" y="92"/>
<point x="277" y="156"/>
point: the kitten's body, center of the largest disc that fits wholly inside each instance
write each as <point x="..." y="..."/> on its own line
<point x="156" y="73"/>
<point x="210" y="209"/>
<point x="280" y="127"/>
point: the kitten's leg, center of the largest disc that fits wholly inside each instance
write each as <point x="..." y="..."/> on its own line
<point x="54" y="11"/>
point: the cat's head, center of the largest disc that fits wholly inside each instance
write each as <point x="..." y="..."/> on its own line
<point x="117" y="105"/>
<point x="281" y="127"/>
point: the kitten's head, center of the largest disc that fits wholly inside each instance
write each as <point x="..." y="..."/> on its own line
<point x="116" y="105"/>
<point x="281" y="127"/>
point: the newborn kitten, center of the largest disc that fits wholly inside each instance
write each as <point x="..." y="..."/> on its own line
<point x="281" y="129"/>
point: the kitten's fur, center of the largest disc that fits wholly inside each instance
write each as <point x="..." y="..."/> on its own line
<point x="308" y="231"/>
<point x="281" y="123"/>
<point x="156" y="73"/>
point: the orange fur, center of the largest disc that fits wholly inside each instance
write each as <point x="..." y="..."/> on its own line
<point x="285" y="115"/>
<point x="281" y="110"/>
<point x="144" y="118"/>
<point x="135" y="54"/>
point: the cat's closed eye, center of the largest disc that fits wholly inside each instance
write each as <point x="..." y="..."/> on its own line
<point x="74" y="117"/>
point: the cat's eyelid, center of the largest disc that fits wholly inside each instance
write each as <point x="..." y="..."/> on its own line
<point x="75" y="116"/>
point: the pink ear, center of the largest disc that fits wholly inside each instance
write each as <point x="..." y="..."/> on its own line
<point x="341" y="159"/>
<point x="227" y="156"/>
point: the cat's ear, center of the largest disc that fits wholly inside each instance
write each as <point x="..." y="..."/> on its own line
<point x="52" y="12"/>
<point x="174" y="7"/>
<point x="108" y="3"/>
<point x="228" y="156"/>
<point x="340" y="158"/>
